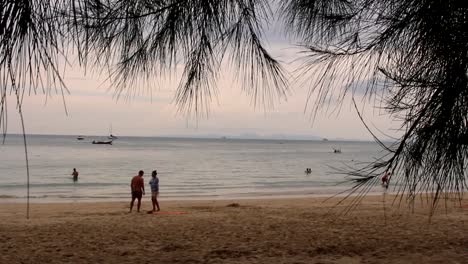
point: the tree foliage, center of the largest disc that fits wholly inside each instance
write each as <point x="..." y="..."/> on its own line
<point x="411" y="56"/>
<point x="414" y="54"/>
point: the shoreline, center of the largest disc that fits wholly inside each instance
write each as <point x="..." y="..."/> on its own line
<point x="202" y="198"/>
<point x="392" y="201"/>
<point x="257" y="196"/>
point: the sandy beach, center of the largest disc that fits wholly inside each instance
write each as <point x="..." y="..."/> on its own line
<point x="299" y="230"/>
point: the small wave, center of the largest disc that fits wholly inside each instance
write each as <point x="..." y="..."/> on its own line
<point x="63" y="196"/>
<point x="23" y="196"/>
<point x="71" y="184"/>
<point x="7" y="196"/>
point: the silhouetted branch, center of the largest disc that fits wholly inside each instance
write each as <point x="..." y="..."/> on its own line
<point x="418" y="48"/>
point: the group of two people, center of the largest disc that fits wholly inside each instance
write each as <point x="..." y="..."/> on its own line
<point x="138" y="190"/>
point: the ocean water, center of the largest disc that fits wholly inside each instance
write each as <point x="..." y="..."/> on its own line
<point x="187" y="168"/>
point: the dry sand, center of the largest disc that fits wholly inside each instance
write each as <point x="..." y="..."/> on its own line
<point x="305" y="230"/>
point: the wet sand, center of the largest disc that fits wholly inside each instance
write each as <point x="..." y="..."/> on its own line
<point x="299" y="230"/>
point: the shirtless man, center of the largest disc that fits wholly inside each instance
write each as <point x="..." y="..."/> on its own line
<point x="75" y="174"/>
<point x="138" y="189"/>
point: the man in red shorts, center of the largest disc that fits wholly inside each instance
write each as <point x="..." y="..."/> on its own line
<point x="138" y="189"/>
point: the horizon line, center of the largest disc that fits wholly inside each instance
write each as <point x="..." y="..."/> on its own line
<point x="213" y="136"/>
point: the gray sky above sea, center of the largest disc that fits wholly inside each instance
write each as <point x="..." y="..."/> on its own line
<point x="91" y="109"/>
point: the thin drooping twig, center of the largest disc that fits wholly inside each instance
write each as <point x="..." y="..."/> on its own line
<point x="27" y="160"/>
<point x="23" y="129"/>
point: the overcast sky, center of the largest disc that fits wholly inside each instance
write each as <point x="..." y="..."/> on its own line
<point x="92" y="109"/>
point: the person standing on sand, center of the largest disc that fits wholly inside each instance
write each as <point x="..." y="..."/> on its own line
<point x="154" y="183"/>
<point x="138" y="190"/>
<point x="75" y="174"/>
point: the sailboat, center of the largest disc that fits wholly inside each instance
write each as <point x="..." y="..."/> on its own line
<point x="337" y="150"/>
<point x="111" y="137"/>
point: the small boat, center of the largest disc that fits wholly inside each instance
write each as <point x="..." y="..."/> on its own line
<point x="80" y="138"/>
<point x="336" y="150"/>
<point x="111" y="137"/>
<point x="102" y="142"/>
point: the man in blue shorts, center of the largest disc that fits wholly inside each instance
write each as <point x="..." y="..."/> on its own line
<point x="154" y="183"/>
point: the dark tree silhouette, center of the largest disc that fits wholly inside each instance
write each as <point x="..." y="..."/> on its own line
<point x="411" y="56"/>
<point x="414" y="54"/>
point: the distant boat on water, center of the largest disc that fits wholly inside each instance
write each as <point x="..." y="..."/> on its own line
<point x="111" y="137"/>
<point x="102" y="142"/>
<point x="80" y="138"/>
<point x="336" y="150"/>
<point x="325" y="139"/>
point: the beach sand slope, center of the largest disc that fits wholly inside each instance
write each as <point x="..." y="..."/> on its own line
<point x="305" y="230"/>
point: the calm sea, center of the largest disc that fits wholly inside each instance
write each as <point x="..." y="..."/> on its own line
<point x="187" y="168"/>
